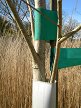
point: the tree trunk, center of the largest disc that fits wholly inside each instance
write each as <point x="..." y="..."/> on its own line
<point x="39" y="45"/>
<point x="53" y="5"/>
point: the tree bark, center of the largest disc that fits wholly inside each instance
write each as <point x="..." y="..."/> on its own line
<point x="39" y="45"/>
<point x="21" y="26"/>
<point x="38" y="51"/>
<point x="31" y="18"/>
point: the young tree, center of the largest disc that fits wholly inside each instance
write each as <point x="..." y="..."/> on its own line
<point x="39" y="45"/>
<point x="38" y="49"/>
<point x="40" y="73"/>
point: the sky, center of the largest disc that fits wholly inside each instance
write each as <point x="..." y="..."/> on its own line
<point x="72" y="8"/>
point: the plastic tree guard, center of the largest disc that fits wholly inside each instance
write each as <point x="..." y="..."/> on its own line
<point x="43" y="95"/>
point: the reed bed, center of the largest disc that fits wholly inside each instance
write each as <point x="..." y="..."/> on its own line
<point x="16" y="76"/>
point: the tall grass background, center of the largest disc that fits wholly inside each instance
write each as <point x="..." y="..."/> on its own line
<point x="16" y="75"/>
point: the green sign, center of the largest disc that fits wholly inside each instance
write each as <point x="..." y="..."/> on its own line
<point x="44" y="28"/>
<point x="68" y="57"/>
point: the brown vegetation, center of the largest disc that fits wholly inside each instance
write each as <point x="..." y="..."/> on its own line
<point x="16" y="76"/>
<point x="15" y="73"/>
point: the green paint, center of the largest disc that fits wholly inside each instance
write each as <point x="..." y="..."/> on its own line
<point x="68" y="57"/>
<point x="44" y="29"/>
